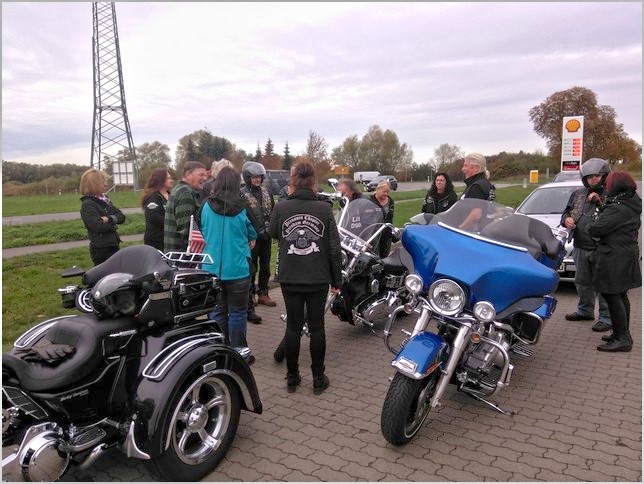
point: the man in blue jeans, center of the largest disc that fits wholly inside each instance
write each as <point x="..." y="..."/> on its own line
<point x="583" y="207"/>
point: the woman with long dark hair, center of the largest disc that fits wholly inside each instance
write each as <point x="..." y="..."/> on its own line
<point x="154" y="199"/>
<point x="309" y="260"/>
<point x="230" y="235"/>
<point x="616" y="265"/>
<point x="441" y="195"/>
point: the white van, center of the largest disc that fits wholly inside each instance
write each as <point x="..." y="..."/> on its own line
<point x="365" y="176"/>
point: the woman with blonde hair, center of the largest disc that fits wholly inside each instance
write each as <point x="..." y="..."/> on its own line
<point x="99" y="215"/>
<point x="381" y="198"/>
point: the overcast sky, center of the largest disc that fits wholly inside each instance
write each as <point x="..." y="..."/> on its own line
<point x="459" y="73"/>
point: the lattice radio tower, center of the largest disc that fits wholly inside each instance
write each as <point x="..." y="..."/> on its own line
<point x="111" y="134"/>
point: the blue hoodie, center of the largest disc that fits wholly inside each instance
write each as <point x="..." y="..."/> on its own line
<point x="227" y="230"/>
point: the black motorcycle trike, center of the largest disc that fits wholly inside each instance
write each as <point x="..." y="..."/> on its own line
<point x="141" y="368"/>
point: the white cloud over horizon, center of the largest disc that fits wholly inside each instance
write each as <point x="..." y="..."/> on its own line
<point x="459" y="73"/>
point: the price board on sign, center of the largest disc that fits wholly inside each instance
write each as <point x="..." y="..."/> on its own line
<point x="572" y="142"/>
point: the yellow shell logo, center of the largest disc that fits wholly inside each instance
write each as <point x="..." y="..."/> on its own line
<point x="573" y="125"/>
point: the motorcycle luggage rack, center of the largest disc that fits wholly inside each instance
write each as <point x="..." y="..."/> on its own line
<point x="187" y="259"/>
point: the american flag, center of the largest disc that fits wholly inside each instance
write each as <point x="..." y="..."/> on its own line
<point x="196" y="243"/>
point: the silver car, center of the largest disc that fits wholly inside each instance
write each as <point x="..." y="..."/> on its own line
<point x="547" y="203"/>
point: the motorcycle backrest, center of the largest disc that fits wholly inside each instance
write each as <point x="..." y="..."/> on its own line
<point x="137" y="260"/>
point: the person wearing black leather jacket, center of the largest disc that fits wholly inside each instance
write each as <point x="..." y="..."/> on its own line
<point x="477" y="185"/>
<point x="260" y="203"/>
<point x="616" y="261"/>
<point x="583" y="207"/>
<point x="440" y="196"/>
<point x="99" y="216"/>
<point x="154" y="199"/>
<point x="309" y="260"/>
<point x="386" y="204"/>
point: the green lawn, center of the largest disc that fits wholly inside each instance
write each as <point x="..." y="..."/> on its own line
<point x="29" y="286"/>
<point x="68" y="202"/>
<point x="61" y="231"/>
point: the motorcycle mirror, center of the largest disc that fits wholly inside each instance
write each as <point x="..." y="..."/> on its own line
<point x="333" y="181"/>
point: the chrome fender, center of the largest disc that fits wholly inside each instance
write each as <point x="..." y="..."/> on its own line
<point x="421" y="355"/>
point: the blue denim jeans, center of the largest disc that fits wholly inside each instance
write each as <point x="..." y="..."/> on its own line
<point x="232" y="313"/>
<point x="585" y="289"/>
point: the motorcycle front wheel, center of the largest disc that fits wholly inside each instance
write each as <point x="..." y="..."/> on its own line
<point x="406" y="407"/>
<point x="199" y="426"/>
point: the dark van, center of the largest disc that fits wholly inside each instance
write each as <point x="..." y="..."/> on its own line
<point x="275" y="180"/>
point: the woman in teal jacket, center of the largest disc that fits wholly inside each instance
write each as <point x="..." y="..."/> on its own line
<point x="229" y="235"/>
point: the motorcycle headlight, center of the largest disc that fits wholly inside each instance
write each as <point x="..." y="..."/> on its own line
<point x="446" y="297"/>
<point x="414" y="284"/>
<point x="484" y="311"/>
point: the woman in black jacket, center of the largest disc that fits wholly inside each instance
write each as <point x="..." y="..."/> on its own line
<point x="440" y="196"/>
<point x="154" y="199"/>
<point x="381" y="198"/>
<point x="99" y="215"/>
<point x="309" y="259"/>
<point x="616" y="259"/>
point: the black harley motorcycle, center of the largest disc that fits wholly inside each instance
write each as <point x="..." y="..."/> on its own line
<point x="142" y="368"/>
<point x="371" y="285"/>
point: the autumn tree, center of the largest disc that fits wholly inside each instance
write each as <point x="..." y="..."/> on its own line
<point x="446" y="154"/>
<point x="316" y="148"/>
<point x="202" y="146"/>
<point x="604" y="137"/>
<point x="348" y="153"/>
<point x="382" y="151"/>
<point x="154" y="153"/>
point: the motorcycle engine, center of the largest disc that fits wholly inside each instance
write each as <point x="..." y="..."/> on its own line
<point x="37" y="458"/>
<point x="483" y="357"/>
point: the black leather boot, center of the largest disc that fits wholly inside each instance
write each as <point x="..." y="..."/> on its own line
<point x="280" y="351"/>
<point x="293" y="380"/>
<point x="608" y="337"/>
<point x="621" y="343"/>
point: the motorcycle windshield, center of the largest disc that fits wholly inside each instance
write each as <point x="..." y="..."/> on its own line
<point x="360" y="219"/>
<point x="493" y="253"/>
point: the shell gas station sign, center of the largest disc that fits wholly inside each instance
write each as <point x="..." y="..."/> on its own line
<point x="572" y="142"/>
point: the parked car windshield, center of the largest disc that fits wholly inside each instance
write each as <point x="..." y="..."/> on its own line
<point x="567" y="176"/>
<point x="547" y="200"/>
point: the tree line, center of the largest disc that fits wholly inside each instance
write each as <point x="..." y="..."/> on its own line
<point x="376" y="150"/>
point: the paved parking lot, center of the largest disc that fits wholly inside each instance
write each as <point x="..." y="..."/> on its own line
<point x="579" y="416"/>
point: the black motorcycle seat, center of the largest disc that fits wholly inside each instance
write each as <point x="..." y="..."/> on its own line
<point x="398" y="262"/>
<point x="86" y="334"/>
<point x="137" y="260"/>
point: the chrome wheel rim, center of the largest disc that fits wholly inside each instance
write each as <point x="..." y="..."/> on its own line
<point x="201" y="419"/>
